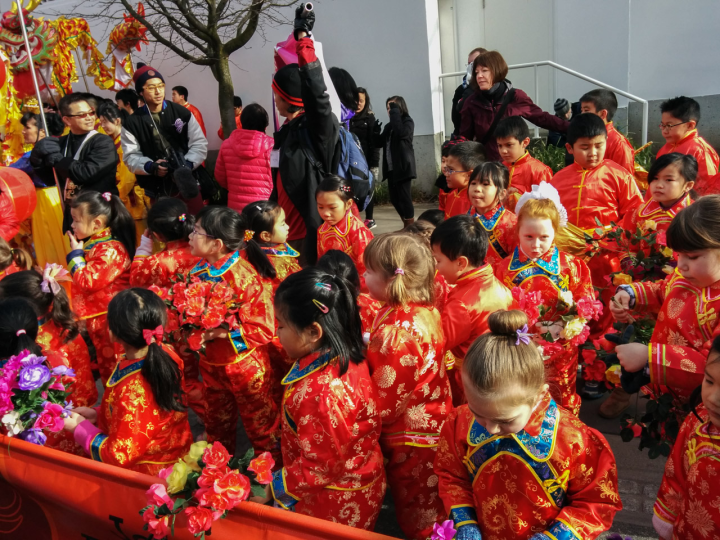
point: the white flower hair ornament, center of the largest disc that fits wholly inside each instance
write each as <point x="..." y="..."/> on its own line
<point x="544" y="191"/>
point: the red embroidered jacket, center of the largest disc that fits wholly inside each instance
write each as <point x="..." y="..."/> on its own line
<point x="158" y="269"/>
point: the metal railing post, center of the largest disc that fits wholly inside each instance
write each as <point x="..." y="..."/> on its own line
<point x="537" y="98"/>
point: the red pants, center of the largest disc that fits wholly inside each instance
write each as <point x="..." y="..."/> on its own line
<point x="561" y="375"/>
<point x="414" y="487"/>
<point x="105" y="349"/>
<point x="194" y="388"/>
<point x="244" y="387"/>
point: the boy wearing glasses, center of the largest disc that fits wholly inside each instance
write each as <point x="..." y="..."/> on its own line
<point x="461" y="160"/>
<point x="680" y="117"/>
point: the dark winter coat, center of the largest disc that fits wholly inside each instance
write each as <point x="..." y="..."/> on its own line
<point x="363" y="126"/>
<point x="461" y="94"/>
<point x="399" y="131"/>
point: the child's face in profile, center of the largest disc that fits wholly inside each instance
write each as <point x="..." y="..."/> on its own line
<point x="448" y="268"/>
<point x="83" y="224"/>
<point x="589" y="107"/>
<point x="701" y="268"/>
<point x="280" y="230"/>
<point x="456" y="175"/>
<point x="669" y="185"/>
<point x="296" y="343"/>
<point x="588" y="152"/>
<point x="674" y="129"/>
<point x="511" y="149"/>
<point x="536" y="236"/>
<point x="711" y="388"/>
<point x="377" y="283"/>
<point x="331" y="207"/>
<point x="483" y="194"/>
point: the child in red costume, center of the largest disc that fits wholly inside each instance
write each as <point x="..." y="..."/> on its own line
<point x="603" y="103"/>
<point x="405" y="355"/>
<point x="461" y="161"/>
<point x="563" y="283"/>
<point x="13" y="259"/>
<point x="513" y="137"/>
<point x="341" y="229"/>
<point x="511" y="463"/>
<point x="100" y="266"/>
<point x="459" y="246"/>
<point x="142" y="422"/>
<point x="236" y="368"/>
<point x="685" y="507"/>
<point x="488" y="187"/>
<point x="331" y="418"/>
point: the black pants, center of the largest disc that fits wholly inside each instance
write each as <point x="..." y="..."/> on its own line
<point x="369" y="209"/>
<point x="401" y="198"/>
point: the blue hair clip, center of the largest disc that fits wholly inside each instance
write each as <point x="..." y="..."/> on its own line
<point x="325" y="286"/>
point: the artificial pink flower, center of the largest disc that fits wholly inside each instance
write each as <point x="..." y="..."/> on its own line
<point x="216" y="456"/>
<point x="51" y="418"/>
<point x="262" y="467"/>
<point x="199" y="519"/>
<point x="210" y="475"/>
<point x="157" y="495"/>
<point x="234" y="487"/>
<point x="157" y="526"/>
<point x="446" y="531"/>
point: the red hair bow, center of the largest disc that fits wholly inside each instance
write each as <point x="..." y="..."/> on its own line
<point x="148" y="335"/>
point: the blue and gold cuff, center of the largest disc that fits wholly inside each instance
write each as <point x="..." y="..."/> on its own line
<point x="463" y="515"/>
<point x="238" y="341"/>
<point x="96" y="445"/>
<point x="280" y="492"/>
<point x="557" y="531"/>
<point x="75" y="260"/>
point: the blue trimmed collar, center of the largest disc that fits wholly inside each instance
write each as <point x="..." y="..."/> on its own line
<point x="212" y="269"/>
<point x="280" y="250"/>
<point x="119" y="374"/>
<point x="490" y="219"/>
<point x="296" y="372"/>
<point x="550" y="262"/>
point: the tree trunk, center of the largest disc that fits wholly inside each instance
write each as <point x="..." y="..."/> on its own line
<point x="226" y="93"/>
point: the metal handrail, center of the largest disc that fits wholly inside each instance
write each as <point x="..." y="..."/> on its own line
<point x="535" y="65"/>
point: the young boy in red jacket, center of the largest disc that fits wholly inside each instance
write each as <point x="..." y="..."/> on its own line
<point x="603" y="103"/>
<point x="461" y="160"/>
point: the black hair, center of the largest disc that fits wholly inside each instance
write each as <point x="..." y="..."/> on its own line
<point x="26" y="117"/>
<point x="119" y="220"/>
<point x="108" y="110"/>
<point x="401" y="103"/>
<point x="339" y="263"/>
<point x="602" y="99"/>
<point x="260" y="217"/>
<point x="181" y="90"/>
<point x="461" y="236"/>
<point x="296" y="299"/>
<point x="696" y="396"/>
<point x="512" y="126"/>
<point x="434" y="216"/>
<point x="129" y="96"/>
<point x="28" y="284"/>
<point x="55" y="125"/>
<point x="494" y="172"/>
<point x="70" y="99"/>
<point x="254" y="117"/>
<point x="469" y="154"/>
<point x="226" y="224"/>
<point x="585" y="126"/>
<point x="368" y="106"/>
<point x="165" y="218"/>
<point x="18" y="328"/>
<point x="129" y="313"/>
<point x="334" y="183"/>
<point x="345" y="87"/>
<point x="237" y="102"/>
<point x="687" y="165"/>
<point x="92" y="100"/>
<point x="683" y="108"/>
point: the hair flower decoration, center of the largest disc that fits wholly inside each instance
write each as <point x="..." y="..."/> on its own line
<point x="182" y="217"/>
<point x="107" y="196"/>
<point x="544" y="191"/>
<point x="51" y="275"/>
<point x="249" y="235"/>
<point x="522" y="335"/>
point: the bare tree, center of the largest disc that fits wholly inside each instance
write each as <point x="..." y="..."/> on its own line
<point x="204" y="32"/>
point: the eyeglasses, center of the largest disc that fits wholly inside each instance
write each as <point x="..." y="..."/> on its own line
<point x="154" y="87"/>
<point x="668" y="127"/>
<point x="81" y="115"/>
<point x="196" y="232"/>
<point x="449" y="171"/>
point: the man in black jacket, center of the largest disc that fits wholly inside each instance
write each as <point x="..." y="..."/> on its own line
<point x="83" y="159"/>
<point x="153" y="130"/>
<point x="463" y="91"/>
<point x="301" y="97"/>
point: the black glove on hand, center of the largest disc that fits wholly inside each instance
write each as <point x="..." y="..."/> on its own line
<point x="393" y="105"/>
<point x="46" y="153"/>
<point x="377" y="128"/>
<point x="630" y="382"/>
<point x="304" y="21"/>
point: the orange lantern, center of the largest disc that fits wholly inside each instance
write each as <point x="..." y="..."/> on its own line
<point x="18" y="185"/>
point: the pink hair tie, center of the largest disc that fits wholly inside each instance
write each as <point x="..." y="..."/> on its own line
<point x="399" y="272"/>
<point x="182" y="217"/>
<point x="20" y="332"/>
<point x="107" y="196"/>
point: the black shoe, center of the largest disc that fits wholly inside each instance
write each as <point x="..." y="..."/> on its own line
<point x="370" y="223"/>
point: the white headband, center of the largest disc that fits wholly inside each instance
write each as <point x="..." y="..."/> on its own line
<point x="544" y="191"/>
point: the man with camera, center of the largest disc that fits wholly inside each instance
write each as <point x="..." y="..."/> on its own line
<point x="163" y="143"/>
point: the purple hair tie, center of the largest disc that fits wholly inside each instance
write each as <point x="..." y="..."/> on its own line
<point x="399" y="272"/>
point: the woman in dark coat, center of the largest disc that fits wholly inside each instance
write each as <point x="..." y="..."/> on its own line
<point x="399" y="157"/>
<point x="491" y="87"/>
<point x="367" y="129"/>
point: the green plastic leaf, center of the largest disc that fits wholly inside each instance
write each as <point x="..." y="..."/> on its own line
<point x="654" y="452"/>
<point x="258" y="490"/>
<point x="178" y="504"/>
<point x="627" y="434"/>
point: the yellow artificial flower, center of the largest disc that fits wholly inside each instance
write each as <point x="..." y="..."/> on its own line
<point x="621" y="279"/>
<point x="668" y="269"/>
<point x="196" y="452"/>
<point x="613" y="374"/>
<point x="573" y="328"/>
<point x="178" y="477"/>
<point x="650" y="225"/>
<point x="666" y="251"/>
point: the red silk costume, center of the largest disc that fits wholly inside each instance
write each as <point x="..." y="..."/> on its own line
<point x="708" y="161"/>
<point x="406" y="361"/>
<point x="198" y="116"/>
<point x="687" y="503"/>
<point x="100" y="270"/>
<point x="285" y="261"/>
<point x="525" y="173"/>
<point x="132" y="431"/>
<point x="552" y="274"/>
<point x="160" y="268"/>
<point x="236" y="370"/>
<point x="10" y="270"/>
<point x="619" y="149"/>
<point x="350" y="236"/>
<point x="555" y="479"/>
<point x="456" y="203"/>
<point x="369" y="308"/>
<point x="330" y="429"/>
<point x="687" y="319"/>
<point x="501" y="226"/>
<point x="442" y="289"/>
<point x="652" y="214"/>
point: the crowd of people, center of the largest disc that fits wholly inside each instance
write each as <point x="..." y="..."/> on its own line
<point x="439" y="361"/>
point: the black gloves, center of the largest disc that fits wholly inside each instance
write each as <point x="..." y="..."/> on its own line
<point x="304" y="21"/>
<point x="393" y="105"/>
<point x="630" y="382"/>
<point x="46" y="153"/>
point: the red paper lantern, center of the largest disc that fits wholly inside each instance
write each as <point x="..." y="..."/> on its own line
<point x="21" y="190"/>
<point x="3" y="73"/>
<point x="24" y="85"/>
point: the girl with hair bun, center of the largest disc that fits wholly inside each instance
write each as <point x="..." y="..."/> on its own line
<point x="331" y="419"/>
<point x="563" y="283"/>
<point x="142" y="423"/>
<point x="102" y="246"/>
<point x="13" y="259"/>
<point x="512" y="445"/>
<point x="405" y="354"/>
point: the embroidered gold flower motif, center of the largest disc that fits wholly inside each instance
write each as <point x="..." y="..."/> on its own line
<point x="416" y="417"/>
<point x="675" y="307"/>
<point x="384" y="377"/>
<point x="675" y="338"/>
<point x="699" y="518"/>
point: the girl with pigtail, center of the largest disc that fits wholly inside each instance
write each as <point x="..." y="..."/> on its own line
<point x="236" y="368"/>
<point x="405" y="354"/>
<point x="331" y="422"/>
<point x="144" y="389"/>
<point x="13" y="259"/>
<point x="102" y="246"/>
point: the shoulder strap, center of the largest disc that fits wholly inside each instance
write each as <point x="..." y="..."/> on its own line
<point x="503" y="107"/>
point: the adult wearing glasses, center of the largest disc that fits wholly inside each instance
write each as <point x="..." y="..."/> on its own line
<point x="83" y="159"/>
<point x="152" y="131"/>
